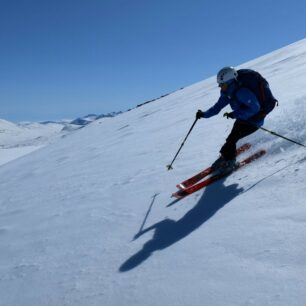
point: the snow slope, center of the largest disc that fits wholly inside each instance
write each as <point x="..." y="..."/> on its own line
<point x="17" y="140"/>
<point x="27" y="134"/>
<point x="89" y="220"/>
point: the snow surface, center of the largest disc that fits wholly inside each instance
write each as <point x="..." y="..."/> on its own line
<point x="20" y="139"/>
<point x="88" y="220"/>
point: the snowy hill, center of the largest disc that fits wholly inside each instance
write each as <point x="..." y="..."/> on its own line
<point x="25" y="134"/>
<point x="88" y="220"/>
<point x="19" y="139"/>
<point x="92" y="117"/>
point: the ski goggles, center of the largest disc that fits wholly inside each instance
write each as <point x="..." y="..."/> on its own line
<point x="224" y="86"/>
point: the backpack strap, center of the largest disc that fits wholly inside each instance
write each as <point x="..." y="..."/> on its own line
<point x="262" y="95"/>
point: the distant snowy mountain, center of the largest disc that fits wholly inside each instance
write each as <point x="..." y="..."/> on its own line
<point x="92" y="117"/>
<point x="88" y="219"/>
<point x="19" y="139"/>
<point x="25" y="134"/>
<point x="84" y="120"/>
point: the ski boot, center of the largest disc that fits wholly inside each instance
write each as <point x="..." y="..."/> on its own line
<point x="230" y="166"/>
<point x="219" y="163"/>
<point x="225" y="166"/>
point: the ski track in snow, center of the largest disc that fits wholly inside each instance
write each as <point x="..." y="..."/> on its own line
<point x="88" y="219"/>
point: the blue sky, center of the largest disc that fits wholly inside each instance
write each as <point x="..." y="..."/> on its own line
<point x="66" y="58"/>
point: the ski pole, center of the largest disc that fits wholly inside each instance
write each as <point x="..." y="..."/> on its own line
<point x="170" y="166"/>
<point x="273" y="133"/>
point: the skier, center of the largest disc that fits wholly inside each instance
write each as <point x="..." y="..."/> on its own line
<point x="250" y="98"/>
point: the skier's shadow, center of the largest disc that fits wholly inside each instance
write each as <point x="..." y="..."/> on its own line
<point x="168" y="232"/>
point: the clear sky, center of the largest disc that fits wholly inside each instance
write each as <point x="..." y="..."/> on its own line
<point x="66" y="58"/>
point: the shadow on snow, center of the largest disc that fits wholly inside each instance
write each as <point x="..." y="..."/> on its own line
<point x="168" y="232"/>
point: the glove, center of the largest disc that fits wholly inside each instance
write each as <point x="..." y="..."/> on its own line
<point x="199" y="114"/>
<point x="229" y="115"/>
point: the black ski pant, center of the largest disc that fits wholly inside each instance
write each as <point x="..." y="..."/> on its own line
<point x="239" y="130"/>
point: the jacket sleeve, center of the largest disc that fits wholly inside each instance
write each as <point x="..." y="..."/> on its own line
<point x="214" y="110"/>
<point x="248" y="104"/>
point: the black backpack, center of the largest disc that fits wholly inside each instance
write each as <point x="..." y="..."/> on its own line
<point x="256" y="83"/>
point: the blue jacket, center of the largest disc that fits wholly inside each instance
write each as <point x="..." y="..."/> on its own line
<point x="244" y="104"/>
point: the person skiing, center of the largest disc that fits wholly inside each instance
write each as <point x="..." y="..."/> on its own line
<point x="250" y="98"/>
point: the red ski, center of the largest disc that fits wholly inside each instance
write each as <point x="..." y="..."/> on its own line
<point x="182" y="193"/>
<point x="191" y="181"/>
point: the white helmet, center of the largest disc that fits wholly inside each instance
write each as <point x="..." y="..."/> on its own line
<point x="226" y="74"/>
